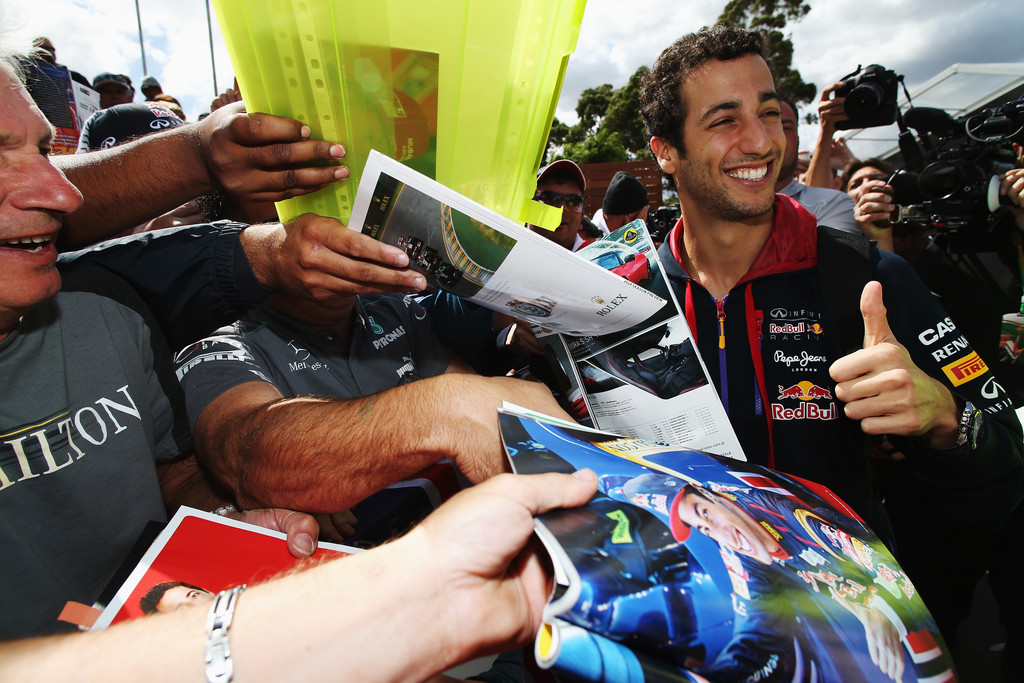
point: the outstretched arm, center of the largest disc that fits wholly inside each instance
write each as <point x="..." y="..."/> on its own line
<point x="256" y="157"/>
<point x="469" y="571"/>
<point x="323" y="455"/>
<point x="830" y="111"/>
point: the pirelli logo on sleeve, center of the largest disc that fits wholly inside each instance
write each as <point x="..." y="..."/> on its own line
<point x="965" y="369"/>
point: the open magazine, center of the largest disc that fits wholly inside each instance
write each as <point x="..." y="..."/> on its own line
<point x="197" y="555"/>
<point x="688" y="566"/>
<point x="647" y="381"/>
<point x="469" y="250"/>
<point x="605" y="314"/>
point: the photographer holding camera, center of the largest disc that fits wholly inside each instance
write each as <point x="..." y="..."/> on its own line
<point x="955" y="212"/>
<point x="829" y="206"/>
<point x="867" y="182"/>
<point x="830" y="153"/>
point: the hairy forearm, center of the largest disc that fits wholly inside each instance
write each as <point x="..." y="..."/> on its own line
<point x="347" y="606"/>
<point x="325" y="455"/>
<point x="131" y="184"/>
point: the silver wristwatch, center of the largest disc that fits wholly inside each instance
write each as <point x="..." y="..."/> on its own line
<point x="970" y="425"/>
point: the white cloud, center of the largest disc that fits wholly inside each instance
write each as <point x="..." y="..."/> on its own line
<point x="918" y="38"/>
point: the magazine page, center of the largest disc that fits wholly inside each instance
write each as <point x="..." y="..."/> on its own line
<point x="198" y="555"/>
<point x="52" y="90"/>
<point x="720" y="568"/>
<point x="469" y="250"/>
<point x="648" y="381"/>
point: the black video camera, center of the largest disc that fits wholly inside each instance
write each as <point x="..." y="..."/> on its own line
<point x="870" y="97"/>
<point x="952" y="174"/>
<point x="661" y="220"/>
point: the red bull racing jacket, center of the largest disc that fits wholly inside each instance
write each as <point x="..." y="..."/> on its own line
<point x="768" y="348"/>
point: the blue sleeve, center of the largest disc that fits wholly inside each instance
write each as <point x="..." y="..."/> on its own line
<point x="980" y="486"/>
<point x="194" y="278"/>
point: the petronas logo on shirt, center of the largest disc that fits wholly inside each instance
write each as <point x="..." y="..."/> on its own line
<point x="377" y="329"/>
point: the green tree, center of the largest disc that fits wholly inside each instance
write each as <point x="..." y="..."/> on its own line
<point x="623" y="116"/>
<point x="601" y="147"/>
<point x="771" y="16"/>
<point x="609" y="127"/>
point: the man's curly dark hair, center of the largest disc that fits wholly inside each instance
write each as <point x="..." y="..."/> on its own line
<point x="661" y="103"/>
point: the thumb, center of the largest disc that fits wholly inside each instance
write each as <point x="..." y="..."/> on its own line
<point x="876" y="325"/>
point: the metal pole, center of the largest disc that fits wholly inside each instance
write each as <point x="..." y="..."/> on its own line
<point x="142" y="47"/>
<point x="213" y="65"/>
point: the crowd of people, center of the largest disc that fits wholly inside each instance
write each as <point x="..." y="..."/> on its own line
<point x="288" y="371"/>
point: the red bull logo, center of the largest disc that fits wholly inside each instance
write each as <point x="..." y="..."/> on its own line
<point x="805" y="391"/>
<point x="804" y="411"/>
<point x="794" y="328"/>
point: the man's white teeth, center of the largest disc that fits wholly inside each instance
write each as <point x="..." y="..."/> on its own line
<point x="749" y="173"/>
<point x="33" y="243"/>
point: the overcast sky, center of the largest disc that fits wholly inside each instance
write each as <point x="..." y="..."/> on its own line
<point x="917" y="38"/>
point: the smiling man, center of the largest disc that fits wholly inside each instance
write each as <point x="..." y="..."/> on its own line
<point x="745" y="261"/>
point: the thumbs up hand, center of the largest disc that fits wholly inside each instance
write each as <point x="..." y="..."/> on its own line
<point x="883" y="388"/>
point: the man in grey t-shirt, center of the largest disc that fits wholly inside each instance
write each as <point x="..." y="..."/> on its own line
<point x="831" y="207"/>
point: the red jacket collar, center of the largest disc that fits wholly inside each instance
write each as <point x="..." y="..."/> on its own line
<point x="792" y="244"/>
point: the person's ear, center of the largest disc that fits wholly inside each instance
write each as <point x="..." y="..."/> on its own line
<point x="665" y="153"/>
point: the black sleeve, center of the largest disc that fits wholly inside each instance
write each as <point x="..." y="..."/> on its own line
<point x="194" y="278"/>
<point x="980" y="486"/>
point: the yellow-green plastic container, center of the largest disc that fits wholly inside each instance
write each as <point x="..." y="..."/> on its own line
<point x="462" y="90"/>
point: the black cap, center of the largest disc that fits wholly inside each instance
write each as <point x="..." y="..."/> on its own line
<point x="107" y="77"/>
<point x="625" y="195"/>
<point x="123" y="122"/>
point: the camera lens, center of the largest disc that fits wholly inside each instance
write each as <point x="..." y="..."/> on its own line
<point x="863" y="100"/>
<point x="940" y="180"/>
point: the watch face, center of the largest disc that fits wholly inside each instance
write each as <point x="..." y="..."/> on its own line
<point x="974" y="429"/>
<point x="530" y="308"/>
<point x="970" y="425"/>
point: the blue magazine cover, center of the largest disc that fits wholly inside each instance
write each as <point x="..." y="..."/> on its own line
<point x="688" y="566"/>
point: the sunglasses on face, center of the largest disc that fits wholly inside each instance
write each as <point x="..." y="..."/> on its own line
<point x="569" y="201"/>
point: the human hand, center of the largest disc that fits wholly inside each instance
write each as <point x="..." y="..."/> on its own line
<point x="317" y="258"/>
<point x="873" y="210"/>
<point x="491" y="581"/>
<point x="884" y="644"/>
<point x="523" y="341"/>
<point x="261" y="157"/>
<point x="1012" y="187"/>
<point x="474" y="441"/>
<point x="841" y="155"/>
<point x="336" y="526"/>
<point x="883" y="388"/>
<point x="227" y="97"/>
<point x="831" y="110"/>
<point x="302" y="529"/>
